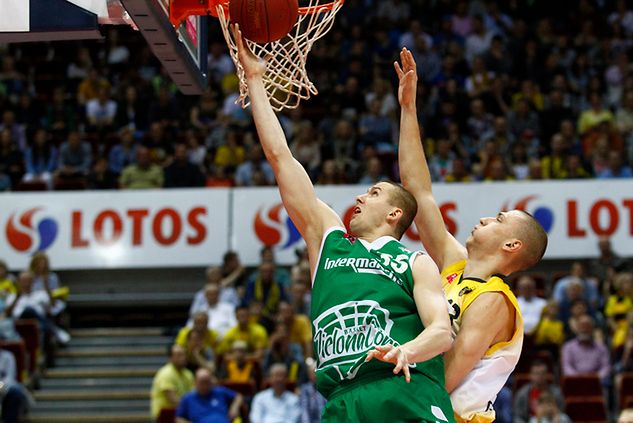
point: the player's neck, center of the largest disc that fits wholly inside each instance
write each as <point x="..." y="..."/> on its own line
<point x="482" y="267"/>
<point x="371" y="236"/>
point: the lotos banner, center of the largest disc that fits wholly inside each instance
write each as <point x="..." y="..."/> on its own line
<point x="115" y="229"/>
<point x="194" y="228"/>
<point x="574" y="213"/>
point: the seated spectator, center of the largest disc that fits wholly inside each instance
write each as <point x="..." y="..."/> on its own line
<point x="577" y="271"/>
<point x="123" y="153"/>
<point x="299" y="327"/>
<point x="231" y="265"/>
<point x="375" y="129"/>
<point x="231" y="154"/>
<point x="275" y="404"/>
<point x="583" y="355"/>
<point x="255" y="162"/>
<point x="236" y="367"/>
<point x="7" y="284"/>
<point x="208" y="403"/>
<point x="221" y="314"/>
<point x="46" y="280"/>
<point x="549" y="411"/>
<point x="311" y="401"/>
<point x="143" y="174"/>
<point x="30" y="303"/>
<point x="281" y="350"/>
<point x="60" y="116"/>
<point x="268" y="291"/>
<point x="13" y="396"/>
<point x="526" y="400"/>
<point x="300" y="295"/>
<point x="252" y="333"/>
<point x="228" y="294"/>
<point x="205" y="341"/>
<point x="171" y="382"/>
<point x="550" y="331"/>
<point x="530" y="305"/>
<point x="624" y="363"/>
<point x="615" y="167"/>
<point x="91" y="85"/>
<point x="41" y="159"/>
<point x="574" y="169"/>
<point x="441" y="163"/>
<point x="458" y="172"/>
<point x="181" y="173"/>
<point x="198" y="355"/>
<point x="595" y="115"/>
<point x="607" y="264"/>
<point x="101" y="111"/>
<point x="618" y="306"/>
<point x="267" y="255"/>
<point x="373" y="173"/>
<point x="553" y="165"/>
<point x="101" y="177"/>
<point x="75" y="157"/>
<point x="11" y="168"/>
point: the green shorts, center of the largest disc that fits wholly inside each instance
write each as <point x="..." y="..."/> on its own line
<point x="392" y="400"/>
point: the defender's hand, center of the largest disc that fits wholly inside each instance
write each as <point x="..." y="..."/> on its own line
<point x="408" y="76"/>
<point x="390" y="354"/>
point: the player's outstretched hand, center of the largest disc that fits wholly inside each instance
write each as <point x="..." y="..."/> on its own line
<point x="391" y="354"/>
<point x="408" y="76"/>
<point x="253" y="65"/>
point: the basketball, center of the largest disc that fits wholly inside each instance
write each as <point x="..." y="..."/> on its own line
<point x="264" y="21"/>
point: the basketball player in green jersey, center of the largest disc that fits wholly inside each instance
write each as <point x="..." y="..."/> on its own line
<point x="484" y="312"/>
<point x="368" y="290"/>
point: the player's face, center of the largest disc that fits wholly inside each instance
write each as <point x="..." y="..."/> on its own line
<point x="371" y="209"/>
<point x="491" y="232"/>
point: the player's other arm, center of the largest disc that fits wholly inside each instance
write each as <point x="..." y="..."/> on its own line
<point x="310" y="215"/>
<point x="484" y="323"/>
<point x="414" y="171"/>
<point x="436" y="337"/>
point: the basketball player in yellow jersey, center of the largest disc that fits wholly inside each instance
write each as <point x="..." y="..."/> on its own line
<point x="484" y="313"/>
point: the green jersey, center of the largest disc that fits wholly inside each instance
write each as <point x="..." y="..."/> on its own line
<point x="363" y="297"/>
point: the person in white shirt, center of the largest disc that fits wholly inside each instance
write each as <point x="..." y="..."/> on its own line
<point x="276" y="405"/>
<point x="530" y="305"/>
<point x="228" y="293"/>
<point x="34" y="303"/>
<point x="221" y="314"/>
<point x="13" y="397"/>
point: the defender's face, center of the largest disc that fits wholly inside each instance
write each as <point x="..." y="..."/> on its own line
<point x="371" y="208"/>
<point x="491" y="232"/>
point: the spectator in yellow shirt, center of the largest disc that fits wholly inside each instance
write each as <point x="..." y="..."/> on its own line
<point x="253" y="334"/>
<point x="550" y="331"/>
<point x="595" y="115"/>
<point x="171" y="382"/>
<point x="238" y="368"/>
<point x="618" y="306"/>
<point x="299" y="328"/>
<point x="7" y="285"/>
<point x="201" y="326"/>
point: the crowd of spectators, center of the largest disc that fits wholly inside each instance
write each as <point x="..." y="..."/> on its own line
<point x="507" y="90"/>
<point x="578" y="323"/>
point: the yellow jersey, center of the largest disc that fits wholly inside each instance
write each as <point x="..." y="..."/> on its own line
<point x="472" y="400"/>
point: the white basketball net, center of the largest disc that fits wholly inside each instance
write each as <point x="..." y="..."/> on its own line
<point x="286" y="79"/>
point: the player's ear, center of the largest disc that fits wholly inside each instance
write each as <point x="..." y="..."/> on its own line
<point x="512" y="245"/>
<point x="394" y="215"/>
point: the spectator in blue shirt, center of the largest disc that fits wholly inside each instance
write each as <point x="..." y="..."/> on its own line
<point x="208" y="403"/>
<point x="75" y="157"/>
<point x="124" y="153"/>
<point x="615" y="167"/>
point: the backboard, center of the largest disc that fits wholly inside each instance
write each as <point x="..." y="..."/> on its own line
<point x="182" y="51"/>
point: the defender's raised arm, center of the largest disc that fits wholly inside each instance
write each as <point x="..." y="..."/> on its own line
<point x="414" y="171"/>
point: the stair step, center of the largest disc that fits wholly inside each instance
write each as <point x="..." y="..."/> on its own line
<point x="97" y="417"/>
<point x="56" y="384"/>
<point x="100" y="395"/>
<point x="122" y="341"/>
<point x="92" y="372"/>
<point x="109" y="361"/>
<point x="113" y="352"/>
<point x="102" y="332"/>
<point x="92" y="406"/>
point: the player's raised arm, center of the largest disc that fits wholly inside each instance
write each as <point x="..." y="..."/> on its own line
<point x="414" y="171"/>
<point x="310" y="215"/>
<point x="436" y="337"/>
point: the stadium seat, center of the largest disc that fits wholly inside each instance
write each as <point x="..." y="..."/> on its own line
<point x="32" y="186"/>
<point x="29" y="331"/>
<point x="166" y="415"/>
<point x="626" y="390"/>
<point x="18" y="349"/>
<point x="586" y="409"/>
<point x="522" y="379"/>
<point x="581" y="386"/>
